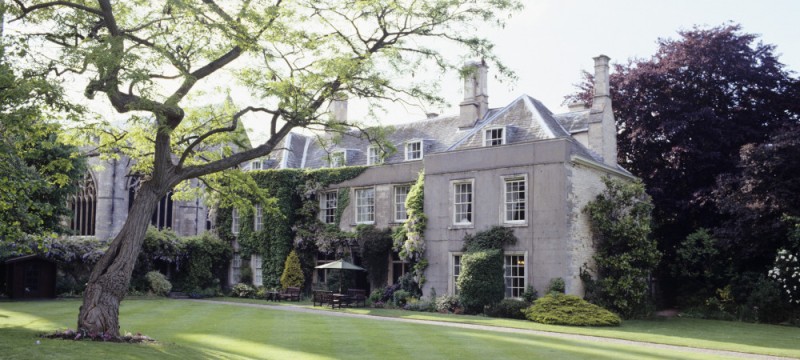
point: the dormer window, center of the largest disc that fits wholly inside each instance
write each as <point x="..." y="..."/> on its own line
<point x="413" y="150"/>
<point x="374" y="156"/>
<point x="494" y="136"/>
<point x="338" y="159"/>
<point x="255" y="164"/>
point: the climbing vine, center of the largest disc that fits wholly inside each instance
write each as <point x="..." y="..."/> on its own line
<point x="289" y="219"/>
<point x="409" y="240"/>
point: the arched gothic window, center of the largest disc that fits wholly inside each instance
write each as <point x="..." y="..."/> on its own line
<point x="162" y="216"/>
<point x="84" y="207"/>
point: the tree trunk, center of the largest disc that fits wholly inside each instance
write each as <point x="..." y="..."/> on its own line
<point x="111" y="277"/>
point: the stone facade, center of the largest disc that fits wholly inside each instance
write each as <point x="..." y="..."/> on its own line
<point x="113" y="188"/>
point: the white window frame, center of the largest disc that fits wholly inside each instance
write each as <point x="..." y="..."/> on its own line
<point x="253" y="164"/>
<point x="337" y="156"/>
<point x="455" y="202"/>
<point x="256" y="264"/>
<point x="236" y="267"/>
<point x="408" y="150"/>
<point x="258" y="218"/>
<point x="324" y="206"/>
<point x="235" y="227"/>
<point x="487" y="131"/>
<point x="524" y="277"/>
<point x="374" y="156"/>
<point x="370" y="215"/>
<point x="324" y="272"/>
<point x="400" y="207"/>
<point x="455" y="257"/>
<point x="504" y="202"/>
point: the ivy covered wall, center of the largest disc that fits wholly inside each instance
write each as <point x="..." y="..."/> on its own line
<point x="291" y="215"/>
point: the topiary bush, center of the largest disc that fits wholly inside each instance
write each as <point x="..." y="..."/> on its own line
<point x="159" y="284"/>
<point x="561" y="309"/>
<point x="292" y="272"/>
<point x="509" y="308"/>
<point x="480" y="283"/>
<point x="557" y="286"/>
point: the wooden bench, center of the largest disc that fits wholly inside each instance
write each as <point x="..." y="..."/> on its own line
<point x="291" y="294"/>
<point x="356" y="296"/>
<point x="322" y="297"/>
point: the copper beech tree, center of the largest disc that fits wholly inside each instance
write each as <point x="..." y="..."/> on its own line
<point x="154" y="61"/>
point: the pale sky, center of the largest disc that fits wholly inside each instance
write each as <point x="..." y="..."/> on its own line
<point x="552" y="41"/>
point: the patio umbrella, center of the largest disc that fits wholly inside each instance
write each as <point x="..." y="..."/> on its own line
<point x="341" y="265"/>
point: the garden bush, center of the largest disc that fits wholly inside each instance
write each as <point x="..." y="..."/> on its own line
<point x="480" y="283"/>
<point x="159" y="284"/>
<point x="401" y="297"/>
<point x="509" y="308"/>
<point x="561" y="309"/>
<point x="243" y="290"/>
<point x="209" y="258"/>
<point x="530" y="295"/>
<point x="447" y="303"/>
<point x="557" y="286"/>
<point x="376" y="295"/>
<point x="292" y="272"/>
<point x="419" y="305"/>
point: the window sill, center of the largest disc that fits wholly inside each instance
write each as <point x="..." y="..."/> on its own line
<point x="510" y="224"/>
<point x="459" y="227"/>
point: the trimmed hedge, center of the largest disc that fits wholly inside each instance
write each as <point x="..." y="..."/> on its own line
<point x="481" y="280"/>
<point x="509" y="309"/>
<point x="561" y="309"/>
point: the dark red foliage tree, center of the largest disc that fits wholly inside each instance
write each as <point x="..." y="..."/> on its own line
<point x="684" y="115"/>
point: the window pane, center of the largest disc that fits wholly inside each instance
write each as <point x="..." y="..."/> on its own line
<point x="462" y="203"/>
<point x="328" y="206"/>
<point x="400" y="194"/>
<point x="365" y="205"/>
<point x="514" y="278"/>
<point x="515" y="202"/>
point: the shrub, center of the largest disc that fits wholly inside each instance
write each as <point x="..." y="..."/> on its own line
<point x="447" y="303"/>
<point x="509" y="308"/>
<point x="376" y="295"/>
<point x="159" y="284"/>
<point x="292" y="272"/>
<point x="530" y="295"/>
<point x="418" y="305"/>
<point x="625" y="255"/>
<point x="561" y="309"/>
<point x="208" y="262"/>
<point x="480" y="283"/>
<point x="243" y="290"/>
<point x="246" y="273"/>
<point x="408" y="283"/>
<point x="556" y="285"/>
<point x="401" y="297"/>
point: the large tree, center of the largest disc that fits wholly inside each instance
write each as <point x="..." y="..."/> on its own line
<point x="684" y="114"/>
<point x="39" y="172"/>
<point x="146" y="58"/>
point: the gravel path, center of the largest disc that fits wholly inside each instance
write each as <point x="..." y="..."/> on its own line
<point x="597" y="339"/>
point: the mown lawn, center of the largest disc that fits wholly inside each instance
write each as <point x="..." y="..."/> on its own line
<point x="710" y="334"/>
<point x="205" y="330"/>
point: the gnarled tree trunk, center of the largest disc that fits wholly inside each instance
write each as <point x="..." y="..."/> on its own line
<point x="111" y="276"/>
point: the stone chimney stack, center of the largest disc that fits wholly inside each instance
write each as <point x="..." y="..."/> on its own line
<point x="602" y="127"/>
<point x="338" y="109"/>
<point x="476" y="98"/>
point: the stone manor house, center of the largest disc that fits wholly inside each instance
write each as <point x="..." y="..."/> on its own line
<point x="519" y="166"/>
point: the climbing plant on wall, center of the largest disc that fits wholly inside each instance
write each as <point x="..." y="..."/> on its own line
<point x="409" y="240"/>
<point x="289" y="215"/>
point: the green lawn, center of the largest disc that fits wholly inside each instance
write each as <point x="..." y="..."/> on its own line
<point x="710" y="334"/>
<point x="204" y="330"/>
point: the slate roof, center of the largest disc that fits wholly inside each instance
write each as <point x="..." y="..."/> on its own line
<point x="525" y="119"/>
<point x="574" y="122"/>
